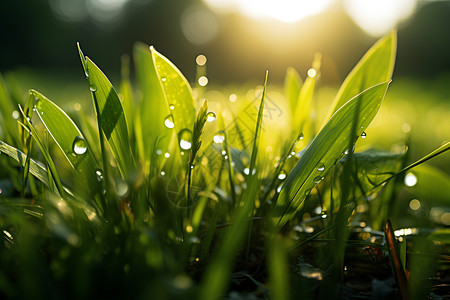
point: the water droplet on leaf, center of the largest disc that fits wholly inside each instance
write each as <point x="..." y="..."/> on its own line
<point x="79" y="145"/>
<point x="93" y="88"/>
<point x="320" y="167"/>
<point x="363" y="135"/>
<point x="185" y="138"/>
<point x="219" y="137"/>
<point x="318" y="179"/>
<point x="282" y="175"/>
<point x="168" y="121"/>
<point x="211" y="116"/>
<point x="171" y="107"/>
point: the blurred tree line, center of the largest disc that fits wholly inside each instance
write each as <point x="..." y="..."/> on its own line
<point x="34" y="35"/>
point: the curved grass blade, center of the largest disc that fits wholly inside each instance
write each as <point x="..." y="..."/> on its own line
<point x="326" y="150"/>
<point x="153" y="108"/>
<point x="36" y="168"/>
<point x="70" y="140"/>
<point x="177" y="91"/>
<point x="45" y="152"/>
<point x="374" y="67"/>
<point x="438" y="151"/>
<point x="112" y="116"/>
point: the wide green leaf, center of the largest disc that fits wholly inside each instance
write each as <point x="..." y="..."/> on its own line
<point x="112" y="118"/>
<point x="70" y="140"/>
<point x="326" y="150"/>
<point x="374" y="67"/>
<point x="177" y="92"/>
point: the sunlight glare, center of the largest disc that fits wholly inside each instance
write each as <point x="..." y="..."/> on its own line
<point x="377" y="17"/>
<point x="288" y="11"/>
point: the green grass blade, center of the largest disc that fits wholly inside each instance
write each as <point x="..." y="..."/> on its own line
<point x="112" y="117"/>
<point x="36" y="168"/>
<point x="153" y="108"/>
<point x="292" y="86"/>
<point x="374" y="67"/>
<point x="326" y="150"/>
<point x="45" y="152"/>
<point x="126" y="94"/>
<point x="177" y="91"/>
<point x="70" y="140"/>
<point x="8" y="124"/>
<point x="444" y="148"/>
<point x="303" y="109"/>
<point x="258" y="129"/>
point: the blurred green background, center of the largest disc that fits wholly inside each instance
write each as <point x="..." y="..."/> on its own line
<point x="241" y="38"/>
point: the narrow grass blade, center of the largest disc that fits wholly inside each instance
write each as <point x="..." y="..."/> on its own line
<point x="258" y="129"/>
<point x="70" y="140"/>
<point x="374" y="67"/>
<point x="154" y="109"/>
<point x="45" y="152"/>
<point x="326" y="150"/>
<point x="126" y="94"/>
<point x="292" y="86"/>
<point x="303" y="109"/>
<point x="8" y="123"/>
<point x="36" y="168"/>
<point x="444" y="148"/>
<point x="177" y="92"/>
<point x="112" y="117"/>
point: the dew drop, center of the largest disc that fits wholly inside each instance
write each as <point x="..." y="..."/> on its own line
<point x="185" y="138"/>
<point x="300" y="137"/>
<point x="158" y="152"/>
<point x="163" y="173"/>
<point x="167" y="155"/>
<point x="79" y="145"/>
<point x="93" y="88"/>
<point x="320" y="167"/>
<point x="312" y="72"/>
<point x="363" y="135"/>
<point x="246" y="171"/>
<point x="282" y="175"/>
<point x="307" y="192"/>
<point x="171" y="106"/>
<point x="99" y="174"/>
<point x="163" y="79"/>
<point x="279" y="188"/>
<point x="168" y="121"/>
<point x="318" y="179"/>
<point x="224" y="152"/>
<point x="211" y="116"/>
<point x="219" y="138"/>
